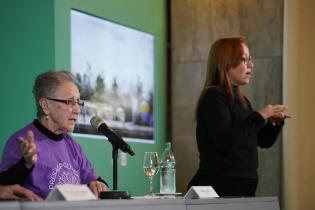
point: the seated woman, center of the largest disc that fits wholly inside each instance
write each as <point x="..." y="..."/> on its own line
<point x="17" y="192"/>
<point x="42" y="154"/>
<point x="14" y="191"/>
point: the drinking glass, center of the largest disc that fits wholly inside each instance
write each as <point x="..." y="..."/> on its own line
<point x="151" y="166"/>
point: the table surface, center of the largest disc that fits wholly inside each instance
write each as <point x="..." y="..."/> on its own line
<point x="255" y="203"/>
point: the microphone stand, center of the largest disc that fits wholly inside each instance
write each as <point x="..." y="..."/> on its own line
<point x="115" y="194"/>
<point x="115" y="158"/>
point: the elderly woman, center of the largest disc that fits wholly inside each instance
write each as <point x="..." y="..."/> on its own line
<point x="42" y="154"/>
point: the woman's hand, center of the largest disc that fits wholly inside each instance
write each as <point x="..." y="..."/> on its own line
<point x="97" y="187"/>
<point x="17" y="192"/>
<point x="274" y="113"/>
<point x="277" y="120"/>
<point x="29" y="150"/>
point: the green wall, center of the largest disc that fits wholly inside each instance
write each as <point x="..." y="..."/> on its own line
<point x="37" y="38"/>
<point x="26" y="49"/>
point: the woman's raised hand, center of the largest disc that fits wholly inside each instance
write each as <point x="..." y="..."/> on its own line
<point x="274" y="113"/>
<point x="28" y="149"/>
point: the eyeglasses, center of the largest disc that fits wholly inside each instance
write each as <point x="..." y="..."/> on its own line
<point x="247" y="60"/>
<point x="68" y="101"/>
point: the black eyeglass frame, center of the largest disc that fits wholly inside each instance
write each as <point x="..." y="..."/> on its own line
<point x="68" y="101"/>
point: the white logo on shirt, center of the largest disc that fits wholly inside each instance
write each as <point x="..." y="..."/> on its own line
<point x="64" y="173"/>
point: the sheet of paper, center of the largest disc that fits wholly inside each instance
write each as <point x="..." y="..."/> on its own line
<point x="71" y="192"/>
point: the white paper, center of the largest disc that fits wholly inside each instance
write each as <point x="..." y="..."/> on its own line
<point x="71" y="192"/>
<point x="197" y="192"/>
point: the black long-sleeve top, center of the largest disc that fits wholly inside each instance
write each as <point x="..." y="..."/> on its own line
<point x="15" y="175"/>
<point x="228" y="135"/>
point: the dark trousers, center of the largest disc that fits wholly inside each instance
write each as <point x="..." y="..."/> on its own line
<point x="227" y="186"/>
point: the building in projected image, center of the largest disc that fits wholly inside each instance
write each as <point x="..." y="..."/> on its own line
<point x="114" y="66"/>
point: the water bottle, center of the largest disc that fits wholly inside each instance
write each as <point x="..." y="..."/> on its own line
<point x="167" y="171"/>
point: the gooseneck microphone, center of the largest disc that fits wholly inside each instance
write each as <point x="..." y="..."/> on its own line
<point x="100" y="126"/>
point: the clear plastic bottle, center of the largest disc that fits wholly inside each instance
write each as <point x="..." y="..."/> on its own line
<point x="167" y="171"/>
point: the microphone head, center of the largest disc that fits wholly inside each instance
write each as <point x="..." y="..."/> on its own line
<point x="96" y="122"/>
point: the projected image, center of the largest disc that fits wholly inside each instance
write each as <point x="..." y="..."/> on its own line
<point x="114" y="66"/>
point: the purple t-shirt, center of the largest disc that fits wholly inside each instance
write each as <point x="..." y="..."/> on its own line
<point x="58" y="162"/>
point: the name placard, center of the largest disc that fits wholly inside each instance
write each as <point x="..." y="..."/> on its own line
<point x="197" y="192"/>
<point x="71" y="192"/>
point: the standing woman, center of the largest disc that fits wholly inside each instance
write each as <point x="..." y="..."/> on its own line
<point x="42" y="154"/>
<point x="228" y="129"/>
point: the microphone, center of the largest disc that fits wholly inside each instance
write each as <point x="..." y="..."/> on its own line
<point x="100" y="126"/>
